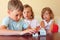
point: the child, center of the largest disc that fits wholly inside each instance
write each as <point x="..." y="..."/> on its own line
<point x="28" y="16"/>
<point x="48" y="19"/>
<point x="12" y="24"/>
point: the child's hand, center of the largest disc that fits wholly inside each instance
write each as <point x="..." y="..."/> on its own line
<point x="31" y="31"/>
<point x="42" y="24"/>
<point x="37" y="28"/>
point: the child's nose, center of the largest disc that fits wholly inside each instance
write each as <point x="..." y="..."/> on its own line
<point x="18" y="17"/>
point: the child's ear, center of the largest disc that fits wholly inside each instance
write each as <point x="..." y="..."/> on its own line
<point x="8" y="11"/>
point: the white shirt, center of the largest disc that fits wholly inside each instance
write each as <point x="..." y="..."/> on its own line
<point x="47" y="25"/>
<point x="13" y="25"/>
<point x="33" y="23"/>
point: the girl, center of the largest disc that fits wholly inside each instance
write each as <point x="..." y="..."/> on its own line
<point x="28" y="16"/>
<point x="47" y="19"/>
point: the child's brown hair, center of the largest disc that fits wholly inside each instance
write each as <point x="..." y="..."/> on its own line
<point x="26" y="6"/>
<point x="15" y="4"/>
<point x="49" y="10"/>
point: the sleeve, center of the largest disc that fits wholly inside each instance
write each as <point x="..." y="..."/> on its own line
<point x="5" y="22"/>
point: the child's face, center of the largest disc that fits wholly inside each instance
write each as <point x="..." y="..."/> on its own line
<point x="46" y="16"/>
<point x="15" y="15"/>
<point x="27" y="13"/>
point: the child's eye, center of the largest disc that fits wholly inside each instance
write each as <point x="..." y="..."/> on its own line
<point x="16" y="14"/>
<point x="46" y="13"/>
<point x="24" y="12"/>
<point x="27" y="11"/>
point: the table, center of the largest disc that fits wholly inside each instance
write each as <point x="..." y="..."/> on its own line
<point x="55" y="36"/>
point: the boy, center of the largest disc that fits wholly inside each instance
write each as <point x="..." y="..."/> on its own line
<point x="12" y="25"/>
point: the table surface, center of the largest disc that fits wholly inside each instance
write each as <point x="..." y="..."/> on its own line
<point x="55" y="36"/>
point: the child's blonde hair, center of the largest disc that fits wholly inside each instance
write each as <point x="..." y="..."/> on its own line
<point x="26" y="6"/>
<point x="15" y="4"/>
<point x="50" y="12"/>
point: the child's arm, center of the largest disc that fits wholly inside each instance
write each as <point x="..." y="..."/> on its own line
<point x="51" y="27"/>
<point x="5" y="31"/>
